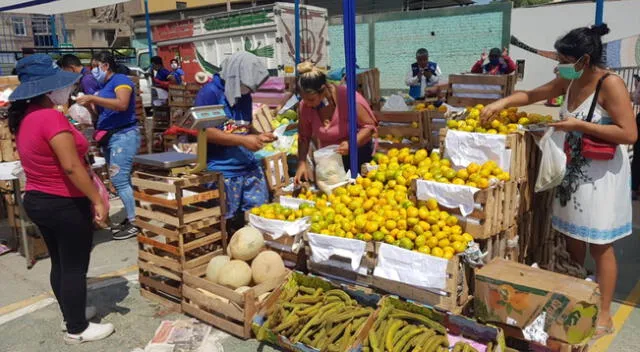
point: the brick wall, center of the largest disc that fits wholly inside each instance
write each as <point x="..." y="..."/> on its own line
<point x="455" y="38"/>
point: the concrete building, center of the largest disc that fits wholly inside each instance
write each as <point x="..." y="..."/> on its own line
<point x="108" y="26"/>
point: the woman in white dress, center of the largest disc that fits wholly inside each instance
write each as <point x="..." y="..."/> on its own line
<point x="593" y="204"/>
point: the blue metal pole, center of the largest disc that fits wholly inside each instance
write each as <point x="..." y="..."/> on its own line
<point x="349" y="22"/>
<point x="54" y="33"/>
<point x="148" y="23"/>
<point x="297" y="34"/>
<point x="599" y="11"/>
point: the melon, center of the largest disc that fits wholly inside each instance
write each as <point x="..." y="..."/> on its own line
<point x="246" y="243"/>
<point x="267" y="265"/>
<point x="214" y="267"/>
<point x="235" y="274"/>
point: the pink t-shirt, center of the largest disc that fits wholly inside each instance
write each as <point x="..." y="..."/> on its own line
<point x="311" y="125"/>
<point x="39" y="162"/>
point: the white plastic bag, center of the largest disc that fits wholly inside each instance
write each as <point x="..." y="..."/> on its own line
<point x="329" y="168"/>
<point x="553" y="163"/>
<point x="80" y="114"/>
<point x="395" y="103"/>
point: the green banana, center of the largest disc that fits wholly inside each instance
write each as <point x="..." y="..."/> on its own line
<point x="373" y="341"/>
<point x="402" y="342"/>
<point x="393" y="329"/>
<point x="399" y="314"/>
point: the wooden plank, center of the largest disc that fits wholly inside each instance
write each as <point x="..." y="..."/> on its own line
<point x="201" y="197"/>
<point x="172" y="306"/>
<point x="169" y="263"/>
<point x="212" y="238"/>
<point x="218" y="322"/>
<point x="155" y="185"/>
<point x="198" y="225"/>
<point x="159" y="216"/>
<point x="141" y="196"/>
<point x="231" y="311"/>
<point x="400" y="131"/>
<point x="194" y="281"/>
<point x="500" y="80"/>
<point x="269" y="285"/>
<point x="160" y="286"/>
<point x="205" y="213"/>
<point x="168" y="233"/>
<point x="157" y="270"/>
<point x="399" y="116"/>
<point x="201" y="261"/>
<point x="160" y="245"/>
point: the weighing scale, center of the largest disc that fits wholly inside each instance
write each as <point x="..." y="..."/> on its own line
<point x="199" y="118"/>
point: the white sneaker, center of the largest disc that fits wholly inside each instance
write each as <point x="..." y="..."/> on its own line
<point x="89" y="313"/>
<point x="94" y="332"/>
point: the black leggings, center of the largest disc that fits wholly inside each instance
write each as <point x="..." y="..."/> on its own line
<point x="635" y="163"/>
<point x="364" y="156"/>
<point x="67" y="227"/>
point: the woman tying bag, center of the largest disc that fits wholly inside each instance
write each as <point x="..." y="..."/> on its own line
<point x="60" y="194"/>
<point x="592" y="206"/>
<point x="324" y="117"/>
<point x="117" y="133"/>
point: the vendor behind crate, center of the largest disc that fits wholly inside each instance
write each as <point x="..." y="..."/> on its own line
<point x="423" y="76"/>
<point x="231" y="146"/>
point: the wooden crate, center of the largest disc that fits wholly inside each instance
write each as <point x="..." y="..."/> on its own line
<point x="368" y="85"/>
<point x="284" y="246"/>
<point x="497" y="246"/>
<point x="434" y="121"/>
<point x="471" y="93"/>
<point x="524" y="154"/>
<point x="221" y="306"/>
<point x="338" y="268"/>
<point x="5" y="133"/>
<point x="182" y="226"/>
<point x="276" y="171"/>
<point x="495" y="210"/>
<point x="402" y="127"/>
<point x="183" y="95"/>
<point x="262" y="118"/>
<point x="161" y="118"/>
<point x="177" y="114"/>
<point x="452" y="299"/>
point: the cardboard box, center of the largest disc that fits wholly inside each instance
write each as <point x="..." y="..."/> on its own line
<point x="516" y="294"/>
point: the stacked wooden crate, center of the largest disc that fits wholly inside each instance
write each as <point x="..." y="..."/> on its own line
<point x="472" y="89"/>
<point x="141" y="116"/>
<point x="408" y="126"/>
<point x="181" y="99"/>
<point x="182" y="228"/>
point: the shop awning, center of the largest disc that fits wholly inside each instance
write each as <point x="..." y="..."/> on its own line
<point x="52" y="7"/>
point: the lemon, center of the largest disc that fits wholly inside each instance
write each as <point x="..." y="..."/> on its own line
<point x="420" y="241"/>
<point x="432" y="242"/>
<point x="432" y="204"/>
<point x="452" y="220"/>
<point x="371" y="227"/>
<point x="443" y="242"/>
<point x="378" y="236"/>
<point x="441" y="235"/>
<point x="459" y="246"/>
<point x="467" y="237"/>
<point x="458" y="181"/>
<point x="424" y="249"/>
<point x="447" y="255"/>
<point x="406" y="243"/>
<point x="437" y="252"/>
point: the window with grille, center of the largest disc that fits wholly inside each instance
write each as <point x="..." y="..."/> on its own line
<point x="181" y="5"/>
<point x="19" y="26"/>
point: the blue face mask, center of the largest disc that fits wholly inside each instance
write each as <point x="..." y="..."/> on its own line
<point x="569" y="72"/>
<point x="99" y="74"/>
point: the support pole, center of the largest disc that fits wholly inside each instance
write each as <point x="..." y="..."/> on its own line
<point x="599" y="12"/>
<point x="297" y="34"/>
<point x="349" y="20"/>
<point x="148" y="23"/>
<point x="54" y="31"/>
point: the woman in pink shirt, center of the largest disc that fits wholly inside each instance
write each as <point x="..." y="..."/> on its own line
<point x="324" y="118"/>
<point x="60" y="195"/>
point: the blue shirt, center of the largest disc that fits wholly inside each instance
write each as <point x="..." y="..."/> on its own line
<point x="110" y="119"/>
<point x="236" y="160"/>
<point x="178" y="74"/>
<point x="88" y="84"/>
<point x="163" y="74"/>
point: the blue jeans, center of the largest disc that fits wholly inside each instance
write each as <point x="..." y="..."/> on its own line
<point x="123" y="146"/>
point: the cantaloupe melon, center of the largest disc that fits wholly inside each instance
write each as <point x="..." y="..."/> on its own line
<point x="214" y="267"/>
<point x="267" y="265"/>
<point x="246" y="243"/>
<point x="234" y="274"/>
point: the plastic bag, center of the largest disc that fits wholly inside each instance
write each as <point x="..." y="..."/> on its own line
<point x="80" y="114"/>
<point x="329" y="168"/>
<point x="395" y="103"/>
<point x="102" y="190"/>
<point x="554" y="161"/>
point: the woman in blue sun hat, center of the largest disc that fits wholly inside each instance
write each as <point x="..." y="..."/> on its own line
<point x="60" y="195"/>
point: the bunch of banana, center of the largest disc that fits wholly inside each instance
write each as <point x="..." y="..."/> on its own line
<point x="465" y="347"/>
<point x="396" y="330"/>
<point x="326" y="320"/>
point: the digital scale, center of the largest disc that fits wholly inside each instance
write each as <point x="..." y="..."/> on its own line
<point x="199" y="118"/>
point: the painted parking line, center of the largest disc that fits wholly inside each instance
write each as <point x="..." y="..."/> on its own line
<point x="30" y="305"/>
<point x="621" y="316"/>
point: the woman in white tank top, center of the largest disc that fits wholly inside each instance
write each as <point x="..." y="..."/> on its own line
<point x="593" y="203"/>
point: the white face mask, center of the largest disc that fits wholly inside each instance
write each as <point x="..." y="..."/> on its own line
<point x="174" y="66"/>
<point x="60" y="96"/>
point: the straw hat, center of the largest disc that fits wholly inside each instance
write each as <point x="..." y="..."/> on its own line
<point x="202" y="77"/>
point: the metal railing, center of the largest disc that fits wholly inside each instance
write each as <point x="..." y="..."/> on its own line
<point x="627" y="74"/>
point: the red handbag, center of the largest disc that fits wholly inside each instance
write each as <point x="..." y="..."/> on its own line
<point x="595" y="148"/>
